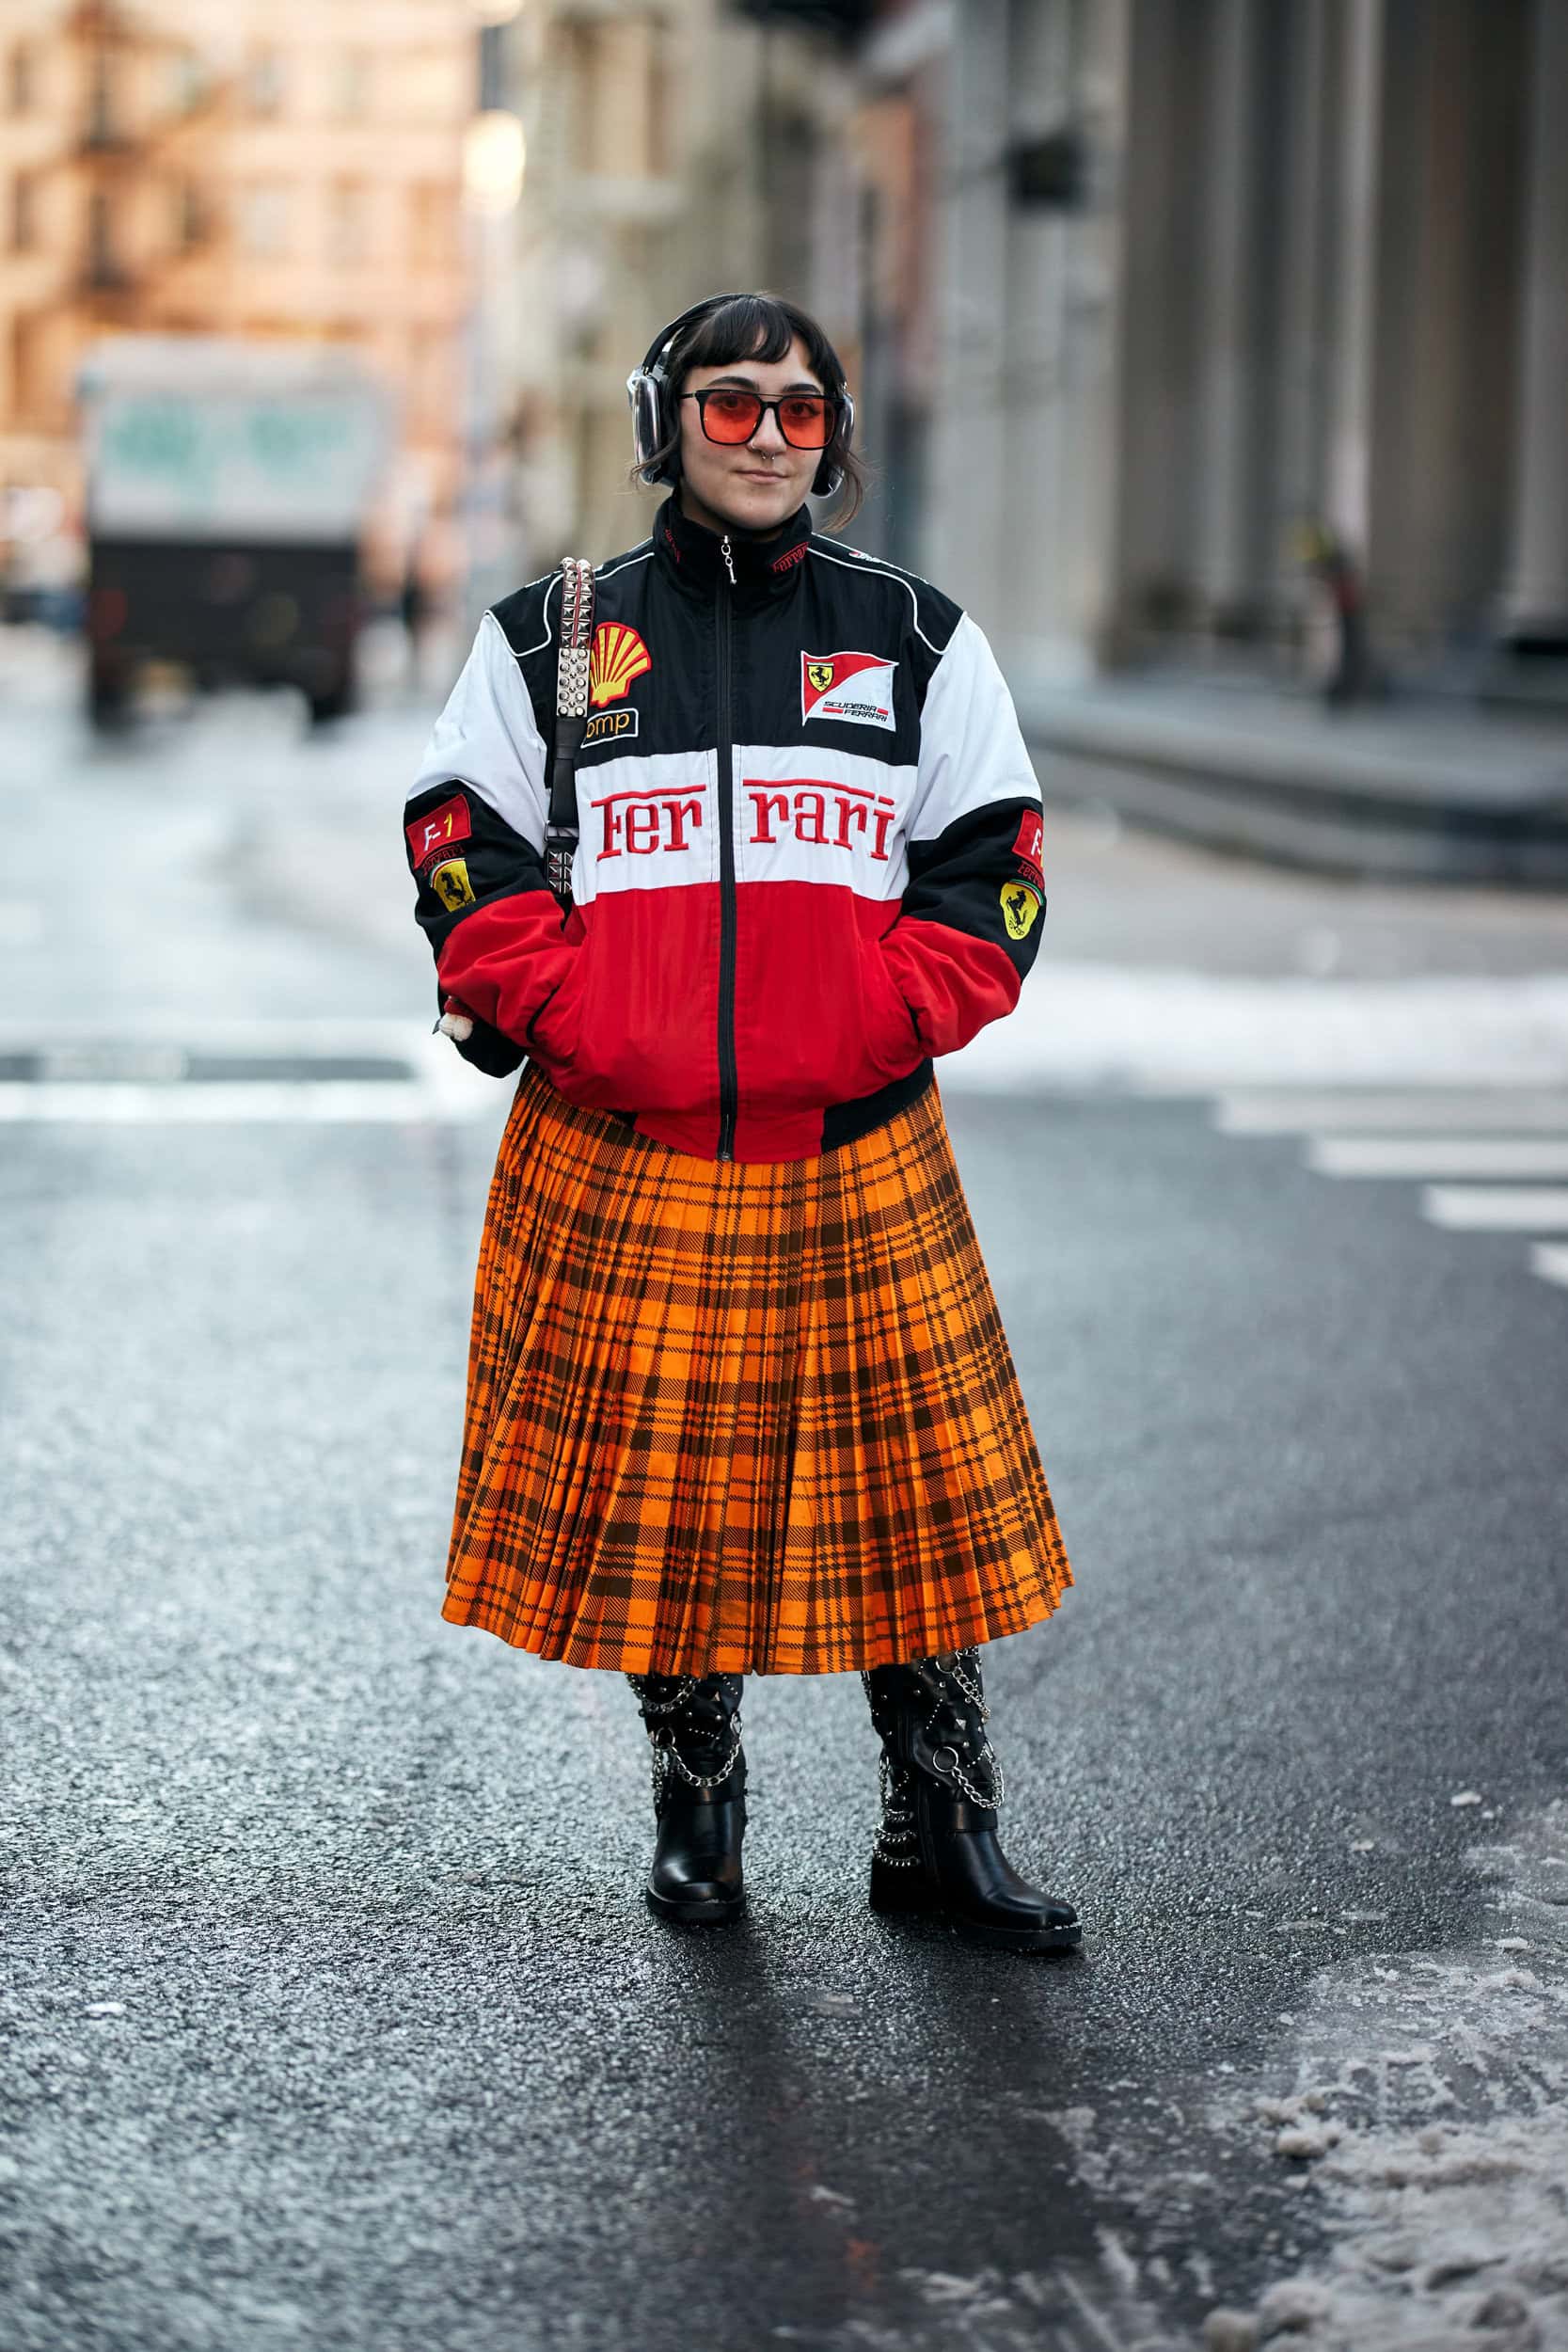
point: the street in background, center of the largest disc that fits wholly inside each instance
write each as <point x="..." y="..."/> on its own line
<point x="229" y="490"/>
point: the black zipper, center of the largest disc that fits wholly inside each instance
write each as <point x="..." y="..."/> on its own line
<point x="728" y="1086"/>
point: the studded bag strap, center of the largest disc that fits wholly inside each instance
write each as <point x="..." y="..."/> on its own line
<point x="571" y="718"/>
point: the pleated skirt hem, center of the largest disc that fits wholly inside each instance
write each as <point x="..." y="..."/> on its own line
<point x="734" y="1658"/>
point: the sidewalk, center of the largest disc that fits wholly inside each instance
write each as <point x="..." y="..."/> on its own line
<point x="1407" y="790"/>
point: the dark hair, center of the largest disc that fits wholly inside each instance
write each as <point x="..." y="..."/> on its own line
<point x="762" y="326"/>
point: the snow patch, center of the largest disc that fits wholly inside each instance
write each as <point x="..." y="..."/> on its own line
<point x="1441" y="2170"/>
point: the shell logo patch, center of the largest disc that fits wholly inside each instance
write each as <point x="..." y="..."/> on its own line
<point x="1021" y="906"/>
<point x="452" y="886"/>
<point x="618" y="656"/>
<point x="443" y="826"/>
<point x="855" y="688"/>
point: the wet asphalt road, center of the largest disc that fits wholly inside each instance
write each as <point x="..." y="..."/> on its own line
<point x="398" y="2059"/>
<point x="332" y="2015"/>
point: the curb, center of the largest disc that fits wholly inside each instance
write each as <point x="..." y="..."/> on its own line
<point x="1399" y="815"/>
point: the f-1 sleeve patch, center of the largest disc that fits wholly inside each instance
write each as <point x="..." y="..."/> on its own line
<point x="1030" y="842"/>
<point x="439" y="829"/>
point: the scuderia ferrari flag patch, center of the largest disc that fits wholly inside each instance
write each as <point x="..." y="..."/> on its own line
<point x="855" y="688"/>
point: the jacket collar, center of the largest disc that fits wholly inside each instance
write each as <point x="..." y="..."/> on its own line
<point x="763" y="567"/>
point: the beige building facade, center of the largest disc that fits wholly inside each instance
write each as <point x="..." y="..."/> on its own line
<point x="1168" y="280"/>
<point x="270" y="169"/>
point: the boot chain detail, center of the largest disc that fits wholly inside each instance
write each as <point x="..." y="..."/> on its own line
<point x="671" y="1704"/>
<point x="897" y="1846"/>
<point x="898" y="1813"/>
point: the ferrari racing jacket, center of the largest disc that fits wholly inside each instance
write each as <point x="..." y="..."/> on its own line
<point x="809" y="842"/>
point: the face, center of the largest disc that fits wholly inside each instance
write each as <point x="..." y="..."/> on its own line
<point x="758" y="483"/>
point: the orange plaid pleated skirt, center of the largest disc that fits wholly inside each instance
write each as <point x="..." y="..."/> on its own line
<point x="755" y="1417"/>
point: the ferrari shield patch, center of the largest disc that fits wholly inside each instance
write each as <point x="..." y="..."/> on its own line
<point x="1021" y="906"/>
<point x="452" y="886"/>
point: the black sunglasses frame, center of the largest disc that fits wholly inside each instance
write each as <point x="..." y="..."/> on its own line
<point x="731" y="392"/>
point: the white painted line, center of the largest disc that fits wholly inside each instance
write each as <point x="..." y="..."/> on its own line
<point x="447" y="1088"/>
<point x="332" y="1102"/>
<point x="1550" y="1261"/>
<point x="243" y="1033"/>
<point x="1438" y="1155"/>
<point x="1443" y="1110"/>
<point x="1497" y="1208"/>
<point x="1159" y="1029"/>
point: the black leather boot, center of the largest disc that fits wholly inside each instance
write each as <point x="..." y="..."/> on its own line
<point x="699" y="1794"/>
<point x="937" y="1850"/>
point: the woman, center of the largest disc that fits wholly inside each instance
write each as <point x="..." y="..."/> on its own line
<point x="739" y="1399"/>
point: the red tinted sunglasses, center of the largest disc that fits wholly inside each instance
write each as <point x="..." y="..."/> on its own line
<point x="805" y="418"/>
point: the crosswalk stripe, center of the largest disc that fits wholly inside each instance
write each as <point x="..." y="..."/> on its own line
<point x="1256" y="1111"/>
<point x="1497" y="1208"/>
<point x="1508" y="1133"/>
<point x="1437" y="1155"/>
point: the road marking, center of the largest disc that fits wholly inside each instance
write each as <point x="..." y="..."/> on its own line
<point x="1162" y="1030"/>
<point x="1497" y="1208"/>
<point x="1458" y="1127"/>
<point x="307" y="1103"/>
<point x="134" y="1077"/>
<point x="1437" y="1155"/>
<point x="1506" y="1109"/>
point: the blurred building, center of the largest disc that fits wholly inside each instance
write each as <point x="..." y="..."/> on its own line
<point x="674" y="149"/>
<point x="269" y="168"/>
<point x="1149" y="285"/>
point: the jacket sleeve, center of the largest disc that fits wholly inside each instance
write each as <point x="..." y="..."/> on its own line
<point x="969" y="931"/>
<point x="475" y="826"/>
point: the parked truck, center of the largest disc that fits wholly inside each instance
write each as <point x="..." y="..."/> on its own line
<point x="228" y="489"/>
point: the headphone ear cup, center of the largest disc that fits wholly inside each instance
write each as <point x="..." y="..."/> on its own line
<point x="829" y="478"/>
<point x="648" y="426"/>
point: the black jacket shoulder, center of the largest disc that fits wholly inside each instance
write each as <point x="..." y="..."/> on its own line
<point x="530" y="620"/>
<point x="919" y="611"/>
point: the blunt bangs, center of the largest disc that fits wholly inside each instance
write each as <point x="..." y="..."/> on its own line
<point x="757" y="327"/>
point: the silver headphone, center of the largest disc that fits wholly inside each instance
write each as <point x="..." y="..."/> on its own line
<point x="653" y="410"/>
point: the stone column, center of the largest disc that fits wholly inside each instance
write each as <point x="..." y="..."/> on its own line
<point x="1094" y="385"/>
<point x="1353" y="342"/>
<point x="1303" y="344"/>
<point x="967" y="509"/>
<point x="1227" y="421"/>
<point x="1149" y="239"/>
<point x="1034" y="555"/>
<point x="1535" y="600"/>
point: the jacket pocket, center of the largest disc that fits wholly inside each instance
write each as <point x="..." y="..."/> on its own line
<point x="893" y="1037"/>
<point x="822" y="1019"/>
<point x="554" y="1031"/>
<point x="634" y="1025"/>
